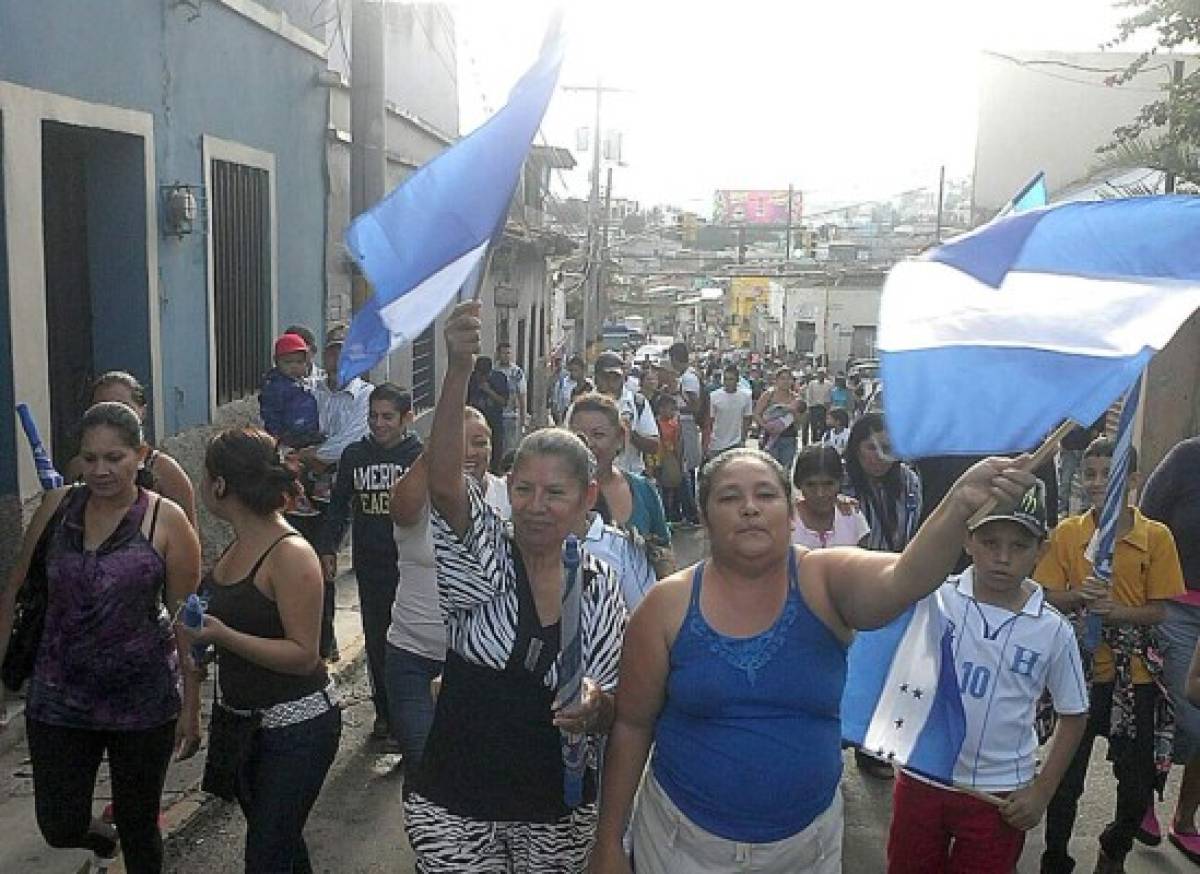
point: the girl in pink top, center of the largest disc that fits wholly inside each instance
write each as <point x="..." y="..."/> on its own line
<point x="821" y="519"/>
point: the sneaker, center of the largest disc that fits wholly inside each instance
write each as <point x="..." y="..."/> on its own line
<point x="106" y="817"/>
<point x="1148" y="831"/>
<point x="1188" y="843"/>
<point x="1105" y="865"/>
<point x="100" y="864"/>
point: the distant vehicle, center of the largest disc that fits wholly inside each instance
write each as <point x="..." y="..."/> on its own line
<point x="656" y="352"/>
<point x="664" y="340"/>
<point x="865" y="368"/>
<point x="636" y="324"/>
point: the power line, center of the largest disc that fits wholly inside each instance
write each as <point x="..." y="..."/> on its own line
<point x="1034" y="65"/>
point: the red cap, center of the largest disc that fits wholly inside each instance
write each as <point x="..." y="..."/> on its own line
<point x="289" y="343"/>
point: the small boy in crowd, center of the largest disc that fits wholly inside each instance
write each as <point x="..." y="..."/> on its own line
<point x="838" y="434"/>
<point x="287" y="403"/>
<point x="1009" y="647"/>
<point x="1125" y="665"/>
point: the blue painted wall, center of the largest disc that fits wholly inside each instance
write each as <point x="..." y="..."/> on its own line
<point x="220" y="75"/>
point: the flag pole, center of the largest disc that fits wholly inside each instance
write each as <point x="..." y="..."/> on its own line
<point x="979" y="795"/>
<point x="1109" y="515"/>
<point x="1041" y="456"/>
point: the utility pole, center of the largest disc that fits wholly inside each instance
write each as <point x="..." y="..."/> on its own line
<point x="368" y="125"/>
<point x="941" y="197"/>
<point x="787" y="240"/>
<point x="601" y="308"/>
<point x="1176" y="79"/>
<point x="590" y="318"/>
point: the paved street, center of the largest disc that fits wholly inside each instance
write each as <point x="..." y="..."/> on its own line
<point x="357" y="824"/>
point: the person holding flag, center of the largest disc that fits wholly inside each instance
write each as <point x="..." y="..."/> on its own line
<point x="490" y="792"/>
<point x="1125" y="668"/>
<point x="1008" y="648"/>
<point x="1040" y="316"/>
<point x="734" y="671"/>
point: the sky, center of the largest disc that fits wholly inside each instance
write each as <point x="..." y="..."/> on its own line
<point x="847" y="100"/>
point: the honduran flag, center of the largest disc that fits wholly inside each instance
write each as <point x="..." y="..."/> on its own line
<point x="989" y="341"/>
<point x="421" y="243"/>
<point x="901" y="700"/>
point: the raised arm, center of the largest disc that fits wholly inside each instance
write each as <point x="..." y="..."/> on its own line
<point x="868" y="590"/>
<point x="760" y="405"/>
<point x="410" y="494"/>
<point x="447" y="488"/>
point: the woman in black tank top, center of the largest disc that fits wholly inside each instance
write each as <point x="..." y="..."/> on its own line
<point x="263" y="619"/>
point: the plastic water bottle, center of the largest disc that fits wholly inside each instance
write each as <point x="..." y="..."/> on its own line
<point x="192" y="616"/>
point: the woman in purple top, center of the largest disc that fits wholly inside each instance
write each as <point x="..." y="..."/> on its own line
<point x="107" y="676"/>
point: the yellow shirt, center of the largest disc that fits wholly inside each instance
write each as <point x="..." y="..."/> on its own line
<point x="1145" y="568"/>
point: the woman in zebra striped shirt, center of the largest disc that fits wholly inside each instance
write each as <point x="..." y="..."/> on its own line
<point x="489" y="793"/>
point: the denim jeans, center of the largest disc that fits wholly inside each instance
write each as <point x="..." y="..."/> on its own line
<point x="783" y="450"/>
<point x="375" y="596"/>
<point x="278" y="786"/>
<point x="408" y="676"/>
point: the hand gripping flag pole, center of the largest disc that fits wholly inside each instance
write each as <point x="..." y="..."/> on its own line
<point x="47" y="474"/>
<point x="570" y="672"/>
<point x="1114" y="504"/>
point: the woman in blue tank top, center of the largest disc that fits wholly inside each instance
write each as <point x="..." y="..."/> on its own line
<point x="733" y="670"/>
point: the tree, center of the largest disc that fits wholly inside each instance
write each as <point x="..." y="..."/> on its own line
<point x="634" y="223"/>
<point x="1165" y="134"/>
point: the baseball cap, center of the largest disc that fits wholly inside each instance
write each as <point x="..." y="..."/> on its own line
<point x="289" y="343"/>
<point x="1029" y="512"/>
<point x="609" y="362"/>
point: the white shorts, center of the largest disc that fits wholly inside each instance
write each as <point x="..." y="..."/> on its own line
<point x="665" y="841"/>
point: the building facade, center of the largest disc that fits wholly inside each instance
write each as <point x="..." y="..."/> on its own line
<point x="162" y="185"/>
<point x="174" y="191"/>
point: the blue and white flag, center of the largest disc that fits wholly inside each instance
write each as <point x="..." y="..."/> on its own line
<point x="901" y="701"/>
<point x="419" y="245"/>
<point x="1031" y="196"/>
<point x="991" y="340"/>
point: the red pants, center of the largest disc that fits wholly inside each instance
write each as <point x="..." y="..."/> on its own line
<point x="936" y="831"/>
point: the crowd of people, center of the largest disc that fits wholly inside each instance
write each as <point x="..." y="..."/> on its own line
<point x="705" y="735"/>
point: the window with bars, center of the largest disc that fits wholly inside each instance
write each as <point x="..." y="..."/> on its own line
<point x="806" y="337"/>
<point x="239" y="201"/>
<point x="424" y="354"/>
<point x="862" y="342"/>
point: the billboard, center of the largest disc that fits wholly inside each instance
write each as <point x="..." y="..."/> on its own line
<point x="753" y="207"/>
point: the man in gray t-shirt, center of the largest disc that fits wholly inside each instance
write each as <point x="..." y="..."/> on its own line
<point x="514" y="409"/>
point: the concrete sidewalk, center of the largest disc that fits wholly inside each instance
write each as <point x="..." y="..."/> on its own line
<point x="23" y="848"/>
